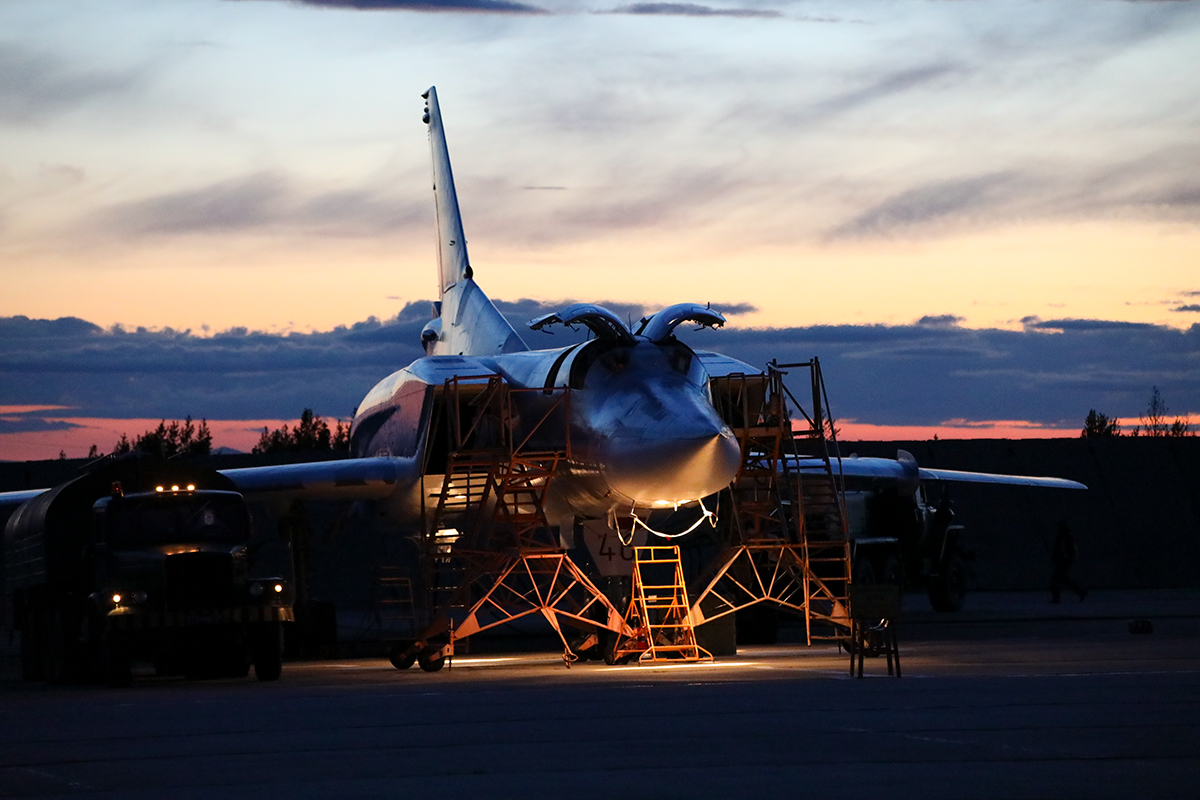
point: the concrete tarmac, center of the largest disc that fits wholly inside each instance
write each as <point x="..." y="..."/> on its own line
<point x="1014" y="698"/>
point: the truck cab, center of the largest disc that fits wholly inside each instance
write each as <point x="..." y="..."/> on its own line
<point x="902" y="538"/>
<point x="164" y="574"/>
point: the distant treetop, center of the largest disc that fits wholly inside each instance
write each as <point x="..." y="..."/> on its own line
<point x="1099" y="425"/>
<point x="169" y="440"/>
<point x="311" y="435"/>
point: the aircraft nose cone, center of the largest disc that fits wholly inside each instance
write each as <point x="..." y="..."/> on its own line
<point x="674" y="466"/>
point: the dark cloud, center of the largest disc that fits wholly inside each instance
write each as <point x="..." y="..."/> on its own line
<point x="35" y="87"/>
<point x="940" y="202"/>
<point x="940" y="321"/>
<point x="21" y="327"/>
<point x="484" y="6"/>
<point x="1192" y="307"/>
<point x="884" y="374"/>
<point x="232" y="205"/>
<point x="734" y="309"/>
<point x="690" y="10"/>
<point x="1034" y="323"/>
<point x="10" y="423"/>
<point x="923" y="375"/>
<point x="263" y="200"/>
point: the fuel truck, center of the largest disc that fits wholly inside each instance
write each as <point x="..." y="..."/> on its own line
<point x="141" y="560"/>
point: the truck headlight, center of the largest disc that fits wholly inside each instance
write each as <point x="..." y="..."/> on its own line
<point x="136" y="597"/>
<point x="256" y="590"/>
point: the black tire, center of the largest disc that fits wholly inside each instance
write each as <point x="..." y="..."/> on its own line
<point x="399" y="659"/>
<point x="948" y="590"/>
<point x="32" y="658"/>
<point x="581" y="653"/>
<point x="237" y="666"/>
<point x="608" y="647"/>
<point x="268" y="654"/>
<point x="427" y="660"/>
<point x="56" y="647"/>
<point x="116" y="666"/>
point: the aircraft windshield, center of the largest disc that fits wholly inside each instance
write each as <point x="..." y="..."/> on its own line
<point x="174" y="519"/>
<point x="610" y="360"/>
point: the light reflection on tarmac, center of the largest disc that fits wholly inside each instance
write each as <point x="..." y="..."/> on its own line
<point x="995" y="708"/>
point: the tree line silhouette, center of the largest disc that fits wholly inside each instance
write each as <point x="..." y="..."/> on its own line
<point x="1153" y="423"/>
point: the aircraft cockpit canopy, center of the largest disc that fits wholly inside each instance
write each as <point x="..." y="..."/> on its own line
<point x="615" y="350"/>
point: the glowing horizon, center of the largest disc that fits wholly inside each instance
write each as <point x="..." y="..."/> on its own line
<point x="242" y="435"/>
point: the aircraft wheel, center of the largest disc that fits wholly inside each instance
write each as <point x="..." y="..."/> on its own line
<point x="399" y="659"/>
<point x="948" y="590"/>
<point x="583" y="654"/>
<point x="608" y="647"/>
<point x="428" y="662"/>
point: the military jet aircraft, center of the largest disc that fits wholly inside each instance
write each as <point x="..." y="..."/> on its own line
<point x="644" y="436"/>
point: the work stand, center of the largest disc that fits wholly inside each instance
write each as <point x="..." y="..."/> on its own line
<point x="786" y="543"/>
<point x="490" y="555"/>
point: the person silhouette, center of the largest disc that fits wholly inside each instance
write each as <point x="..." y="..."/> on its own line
<point x="1062" y="557"/>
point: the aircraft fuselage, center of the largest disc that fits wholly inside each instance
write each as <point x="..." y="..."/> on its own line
<point x="643" y="431"/>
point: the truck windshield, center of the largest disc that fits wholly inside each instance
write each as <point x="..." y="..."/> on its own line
<point x="175" y="519"/>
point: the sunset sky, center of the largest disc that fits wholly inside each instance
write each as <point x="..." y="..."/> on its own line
<point x="971" y="211"/>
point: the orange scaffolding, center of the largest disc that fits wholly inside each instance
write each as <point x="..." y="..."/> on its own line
<point x="501" y="560"/>
<point x="787" y="543"/>
<point x="659" y="618"/>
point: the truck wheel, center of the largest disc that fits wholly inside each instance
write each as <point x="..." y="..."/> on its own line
<point x="268" y="656"/>
<point x="115" y="663"/>
<point x="32" y="657"/>
<point x="949" y="589"/>
<point x="56" y="647"/>
<point x="235" y="664"/>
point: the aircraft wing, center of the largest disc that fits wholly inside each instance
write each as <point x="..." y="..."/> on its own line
<point x="905" y="470"/>
<point x="988" y="477"/>
<point x="343" y="479"/>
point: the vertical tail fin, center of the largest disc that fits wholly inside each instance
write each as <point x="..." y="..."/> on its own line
<point x="467" y="323"/>
<point x="453" y="264"/>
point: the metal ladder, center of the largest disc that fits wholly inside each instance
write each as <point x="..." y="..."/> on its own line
<point x="659" y="614"/>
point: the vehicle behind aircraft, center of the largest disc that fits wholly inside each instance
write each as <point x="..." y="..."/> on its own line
<point x="141" y="560"/>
